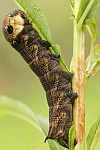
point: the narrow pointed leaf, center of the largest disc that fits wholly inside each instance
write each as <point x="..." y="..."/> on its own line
<point x="94" y="135"/>
<point x="16" y="108"/>
<point x="34" y="11"/>
<point x="94" y="64"/>
<point x="93" y="9"/>
<point x="82" y="9"/>
<point x="71" y="137"/>
<point x="86" y="11"/>
<point x="92" y="29"/>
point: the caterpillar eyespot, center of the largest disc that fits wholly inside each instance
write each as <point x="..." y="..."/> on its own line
<point x="19" y="32"/>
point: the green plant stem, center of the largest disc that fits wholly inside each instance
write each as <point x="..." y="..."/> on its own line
<point x="78" y="68"/>
<point x="79" y="87"/>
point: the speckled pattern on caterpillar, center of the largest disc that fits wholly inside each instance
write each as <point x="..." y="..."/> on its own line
<point x="18" y="31"/>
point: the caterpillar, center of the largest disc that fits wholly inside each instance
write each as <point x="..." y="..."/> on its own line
<point x="18" y="31"/>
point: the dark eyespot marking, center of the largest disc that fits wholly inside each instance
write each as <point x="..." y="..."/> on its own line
<point x="9" y="29"/>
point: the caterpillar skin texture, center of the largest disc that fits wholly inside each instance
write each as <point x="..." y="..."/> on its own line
<point x="19" y="32"/>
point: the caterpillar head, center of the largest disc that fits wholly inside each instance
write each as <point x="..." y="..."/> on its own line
<point x="15" y="24"/>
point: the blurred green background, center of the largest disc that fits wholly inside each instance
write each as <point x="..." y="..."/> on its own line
<point x="19" y="82"/>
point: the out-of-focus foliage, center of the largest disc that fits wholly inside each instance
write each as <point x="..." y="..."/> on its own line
<point x="94" y="65"/>
<point x="93" y="135"/>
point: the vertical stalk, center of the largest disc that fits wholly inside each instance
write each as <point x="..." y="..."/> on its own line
<point x="79" y="81"/>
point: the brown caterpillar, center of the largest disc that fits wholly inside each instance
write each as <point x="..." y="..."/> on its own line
<point x="19" y="32"/>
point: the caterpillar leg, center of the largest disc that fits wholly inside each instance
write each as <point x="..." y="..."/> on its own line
<point x="45" y="43"/>
<point x="67" y="75"/>
<point x="72" y="96"/>
<point x="55" y="55"/>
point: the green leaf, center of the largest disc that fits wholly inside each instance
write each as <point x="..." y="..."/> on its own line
<point x="16" y="108"/>
<point x="45" y="127"/>
<point x="92" y="29"/>
<point x="57" y="50"/>
<point x="71" y="137"/>
<point x="34" y="11"/>
<point x="93" y="64"/>
<point x="93" y="135"/>
<point x="93" y="9"/>
<point x="86" y="11"/>
<point x="44" y="123"/>
<point x="82" y="8"/>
